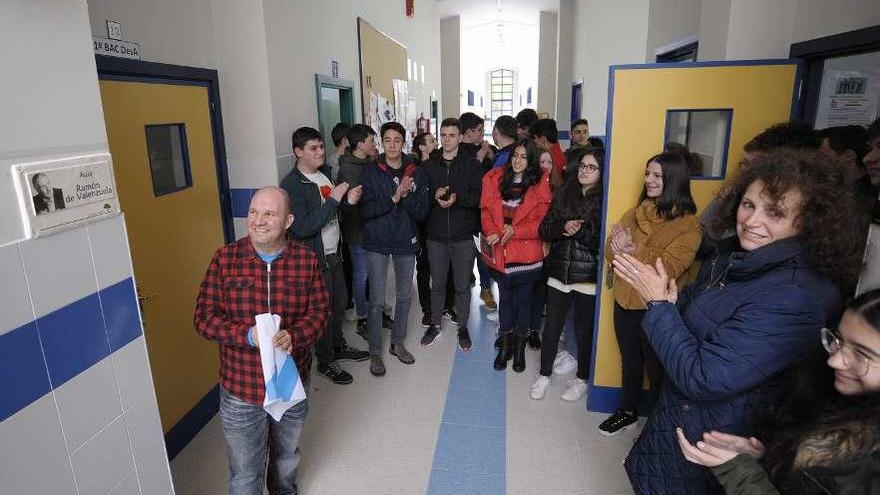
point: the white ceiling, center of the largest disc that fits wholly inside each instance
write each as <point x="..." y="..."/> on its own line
<point x="476" y="12"/>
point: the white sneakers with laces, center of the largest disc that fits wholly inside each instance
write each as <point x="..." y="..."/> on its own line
<point x="576" y="389"/>
<point x="564" y="363"/>
<point x="539" y="388"/>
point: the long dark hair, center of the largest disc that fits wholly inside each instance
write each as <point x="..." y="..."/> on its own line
<point x="811" y="412"/>
<point x="569" y="200"/>
<point x="833" y="242"/>
<point x="676" y="199"/>
<point x="531" y="175"/>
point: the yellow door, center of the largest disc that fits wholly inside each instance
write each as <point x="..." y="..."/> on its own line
<point x="173" y="231"/>
<point x="649" y="101"/>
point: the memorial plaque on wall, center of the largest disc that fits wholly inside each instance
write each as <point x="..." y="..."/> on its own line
<point x="62" y="193"/>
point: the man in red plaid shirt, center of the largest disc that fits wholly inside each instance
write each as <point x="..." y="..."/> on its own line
<point x="261" y="273"/>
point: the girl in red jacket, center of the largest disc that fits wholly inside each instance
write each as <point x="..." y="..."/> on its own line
<point x="514" y="201"/>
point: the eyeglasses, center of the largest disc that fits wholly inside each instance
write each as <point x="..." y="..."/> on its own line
<point x="852" y="358"/>
<point x="589" y="167"/>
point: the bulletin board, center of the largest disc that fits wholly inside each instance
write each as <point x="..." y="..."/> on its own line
<point x="382" y="60"/>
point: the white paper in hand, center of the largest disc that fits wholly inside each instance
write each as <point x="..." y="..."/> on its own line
<point x="284" y="389"/>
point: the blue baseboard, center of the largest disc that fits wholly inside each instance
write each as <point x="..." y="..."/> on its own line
<point x="190" y="424"/>
<point x="607" y="400"/>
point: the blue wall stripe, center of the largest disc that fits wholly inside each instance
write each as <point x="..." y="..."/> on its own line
<point x="471" y="452"/>
<point x="74" y="338"/>
<point x="65" y="343"/>
<point x="121" y="313"/>
<point x="22" y="369"/>
<point x="241" y="201"/>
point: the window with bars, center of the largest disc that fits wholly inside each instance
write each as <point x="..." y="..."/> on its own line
<point x="500" y="96"/>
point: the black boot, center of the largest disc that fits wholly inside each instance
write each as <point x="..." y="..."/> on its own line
<point x="519" y="353"/>
<point x="504" y="351"/>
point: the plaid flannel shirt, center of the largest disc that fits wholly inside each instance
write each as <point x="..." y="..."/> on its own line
<point x="239" y="285"/>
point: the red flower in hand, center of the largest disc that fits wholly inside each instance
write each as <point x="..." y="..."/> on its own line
<point x="325" y="191"/>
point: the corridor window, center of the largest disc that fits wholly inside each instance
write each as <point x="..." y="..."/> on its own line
<point x="169" y="158"/>
<point x="706" y="134"/>
<point x="500" y="96"/>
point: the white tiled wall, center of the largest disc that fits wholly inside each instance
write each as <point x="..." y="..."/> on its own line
<point x="99" y="432"/>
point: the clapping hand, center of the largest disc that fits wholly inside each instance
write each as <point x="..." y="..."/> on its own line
<point x="354" y="194"/>
<point x="339" y="191"/>
<point x="402" y="189"/>
<point x="508" y="234"/>
<point x="621" y="240"/>
<point x="651" y="282"/>
<point x="571" y="227"/>
<point x="492" y="239"/>
<point x="716" y="448"/>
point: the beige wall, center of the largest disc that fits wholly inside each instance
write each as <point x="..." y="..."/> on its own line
<point x="303" y="36"/>
<point x="450" y="56"/>
<point x="670" y="21"/>
<point x="547" y="42"/>
<point x="606" y="33"/>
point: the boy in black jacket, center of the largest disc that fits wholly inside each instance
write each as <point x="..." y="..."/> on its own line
<point x="456" y="184"/>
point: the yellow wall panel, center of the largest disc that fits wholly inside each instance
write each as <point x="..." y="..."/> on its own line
<point x="759" y="95"/>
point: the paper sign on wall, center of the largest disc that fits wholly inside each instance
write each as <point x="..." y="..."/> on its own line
<point x="63" y="193"/>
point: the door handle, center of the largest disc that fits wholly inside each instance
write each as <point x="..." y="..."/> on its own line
<point x="143" y="299"/>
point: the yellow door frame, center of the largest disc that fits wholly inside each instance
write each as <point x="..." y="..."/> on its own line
<point x="605" y="392"/>
<point x="116" y="69"/>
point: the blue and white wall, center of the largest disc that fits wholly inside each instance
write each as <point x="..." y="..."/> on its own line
<point x="78" y="414"/>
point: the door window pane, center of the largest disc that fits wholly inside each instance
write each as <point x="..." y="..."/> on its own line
<point x="706" y="134"/>
<point x="169" y="158"/>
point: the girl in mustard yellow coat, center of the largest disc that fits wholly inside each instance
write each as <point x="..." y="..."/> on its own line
<point x="663" y="225"/>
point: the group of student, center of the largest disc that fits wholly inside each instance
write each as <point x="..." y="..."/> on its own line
<point x="765" y="274"/>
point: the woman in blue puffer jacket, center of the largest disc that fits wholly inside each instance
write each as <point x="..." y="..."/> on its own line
<point x="727" y="340"/>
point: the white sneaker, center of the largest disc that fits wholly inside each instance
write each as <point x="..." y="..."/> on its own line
<point x="539" y="388"/>
<point x="576" y="389"/>
<point x="564" y="363"/>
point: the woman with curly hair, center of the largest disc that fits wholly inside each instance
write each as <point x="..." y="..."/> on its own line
<point x="514" y="200"/>
<point x="823" y="437"/>
<point x="727" y="340"/>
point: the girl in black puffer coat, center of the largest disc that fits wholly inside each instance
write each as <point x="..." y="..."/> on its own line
<point x="572" y="229"/>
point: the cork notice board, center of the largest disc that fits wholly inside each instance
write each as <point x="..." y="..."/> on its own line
<point x="382" y="59"/>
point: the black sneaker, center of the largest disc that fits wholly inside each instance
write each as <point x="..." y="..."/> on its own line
<point x="402" y="354"/>
<point x="426" y="320"/>
<point x="464" y="339"/>
<point x="387" y="321"/>
<point x="534" y="340"/>
<point x="449" y="314"/>
<point x="334" y="373"/>
<point x="618" y="422"/>
<point x="362" y="328"/>
<point x="347" y="353"/>
<point x="430" y="336"/>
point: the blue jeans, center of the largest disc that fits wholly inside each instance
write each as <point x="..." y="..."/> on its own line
<point x="359" y="279"/>
<point x="252" y="436"/>
<point x="404" y="266"/>
<point x="485" y="273"/>
<point x="516" y="291"/>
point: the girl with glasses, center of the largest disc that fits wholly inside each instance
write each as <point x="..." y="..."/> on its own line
<point x="824" y="437"/>
<point x="572" y="228"/>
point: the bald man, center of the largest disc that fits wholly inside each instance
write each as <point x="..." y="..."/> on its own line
<point x="263" y="272"/>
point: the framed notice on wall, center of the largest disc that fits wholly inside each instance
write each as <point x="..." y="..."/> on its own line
<point x="62" y="193"/>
